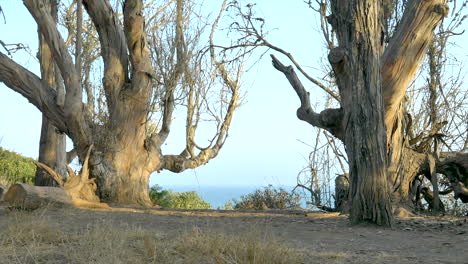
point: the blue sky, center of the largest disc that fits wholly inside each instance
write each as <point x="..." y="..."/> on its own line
<point x="263" y="145"/>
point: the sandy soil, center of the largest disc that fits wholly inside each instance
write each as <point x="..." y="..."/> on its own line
<point x="327" y="238"/>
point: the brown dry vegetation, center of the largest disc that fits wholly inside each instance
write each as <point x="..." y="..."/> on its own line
<point x="129" y="235"/>
<point x="43" y="237"/>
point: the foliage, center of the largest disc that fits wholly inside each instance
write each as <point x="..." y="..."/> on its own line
<point x="15" y="168"/>
<point x="268" y="198"/>
<point x="229" y="205"/>
<point x="177" y="200"/>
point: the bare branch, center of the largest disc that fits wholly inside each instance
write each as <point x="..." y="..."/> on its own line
<point x="406" y="50"/>
<point x="180" y="67"/>
<point x="78" y="44"/>
<point x="254" y="36"/>
<point x="32" y="88"/>
<point x="51" y="172"/>
<point x="178" y="163"/>
<point x="61" y="55"/>
<point x="329" y="119"/>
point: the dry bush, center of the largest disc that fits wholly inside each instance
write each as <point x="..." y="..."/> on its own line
<point x="268" y="198"/>
<point x="36" y="238"/>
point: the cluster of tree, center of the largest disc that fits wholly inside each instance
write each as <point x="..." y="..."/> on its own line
<point x="154" y="61"/>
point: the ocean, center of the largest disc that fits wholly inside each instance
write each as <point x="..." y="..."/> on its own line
<point x="218" y="196"/>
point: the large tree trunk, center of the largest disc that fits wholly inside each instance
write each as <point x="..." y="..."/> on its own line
<point x="372" y="84"/>
<point x="123" y="175"/>
<point x="51" y="152"/>
<point x="359" y="28"/>
<point x="52" y="143"/>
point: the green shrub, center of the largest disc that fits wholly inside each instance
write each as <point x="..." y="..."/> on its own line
<point x="229" y="205"/>
<point x="15" y="168"/>
<point x="177" y="200"/>
<point x="268" y="198"/>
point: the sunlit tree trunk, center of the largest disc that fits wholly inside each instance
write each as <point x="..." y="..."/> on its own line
<point x="51" y="142"/>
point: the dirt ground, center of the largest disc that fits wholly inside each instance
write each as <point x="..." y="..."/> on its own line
<point x="327" y="238"/>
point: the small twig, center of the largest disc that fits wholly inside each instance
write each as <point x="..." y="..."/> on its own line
<point x="3" y="14"/>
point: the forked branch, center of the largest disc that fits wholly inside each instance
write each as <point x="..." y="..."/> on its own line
<point x="178" y="163"/>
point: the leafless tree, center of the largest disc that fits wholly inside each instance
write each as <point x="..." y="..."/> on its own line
<point x="376" y="49"/>
<point x="153" y="61"/>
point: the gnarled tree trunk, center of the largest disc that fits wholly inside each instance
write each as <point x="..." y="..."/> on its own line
<point x="372" y="77"/>
<point x="126" y="151"/>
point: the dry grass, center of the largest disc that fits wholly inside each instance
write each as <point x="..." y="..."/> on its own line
<point x="36" y="238"/>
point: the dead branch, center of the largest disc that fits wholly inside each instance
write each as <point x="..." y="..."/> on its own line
<point x="76" y="190"/>
<point x="328" y="119"/>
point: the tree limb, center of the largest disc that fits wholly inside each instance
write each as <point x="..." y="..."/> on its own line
<point x="134" y="25"/>
<point x="180" y="67"/>
<point x="63" y="59"/>
<point x="179" y="163"/>
<point x="32" y="88"/>
<point x="329" y="119"/>
<point x="78" y="128"/>
<point x="113" y="47"/>
<point x="405" y="51"/>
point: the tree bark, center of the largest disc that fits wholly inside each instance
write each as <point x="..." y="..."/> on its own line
<point x="52" y="142"/>
<point x="3" y="190"/>
<point x="356" y="63"/>
<point x="75" y="190"/>
<point x="29" y="197"/>
<point x="123" y="176"/>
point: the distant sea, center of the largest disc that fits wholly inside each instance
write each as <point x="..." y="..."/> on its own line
<point x="218" y="196"/>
